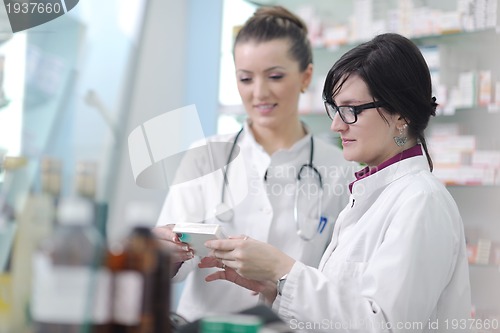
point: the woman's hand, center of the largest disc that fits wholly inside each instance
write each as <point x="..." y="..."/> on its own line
<point x="266" y="288"/>
<point x="251" y="259"/>
<point x="180" y="251"/>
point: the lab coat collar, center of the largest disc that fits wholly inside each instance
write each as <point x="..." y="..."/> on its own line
<point x="279" y="157"/>
<point x="259" y="157"/>
<point x="367" y="171"/>
<point x="248" y="137"/>
<point x="297" y="146"/>
<point x="412" y="163"/>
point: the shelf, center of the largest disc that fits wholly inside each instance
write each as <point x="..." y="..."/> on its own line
<point x="465" y="111"/>
<point x="479" y="186"/>
<point x="494" y="268"/>
<point x="427" y="40"/>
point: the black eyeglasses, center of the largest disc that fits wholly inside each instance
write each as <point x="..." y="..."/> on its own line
<point x="348" y="113"/>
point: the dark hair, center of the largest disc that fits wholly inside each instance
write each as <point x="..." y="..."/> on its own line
<point x="396" y="73"/>
<point x="276" y="22"/>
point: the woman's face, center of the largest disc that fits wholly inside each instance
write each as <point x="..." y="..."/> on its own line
<point x="370" y="139"/>
<point x="269" y="82"/>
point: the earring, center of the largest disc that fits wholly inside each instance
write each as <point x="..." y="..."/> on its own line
<point x="302" y="90"/>
<point x="401" y="138"/>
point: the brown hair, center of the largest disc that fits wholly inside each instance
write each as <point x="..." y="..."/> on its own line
<point x="276" y="22"/>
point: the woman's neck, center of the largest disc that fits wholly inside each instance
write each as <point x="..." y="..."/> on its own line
<point x="283" y="137"/>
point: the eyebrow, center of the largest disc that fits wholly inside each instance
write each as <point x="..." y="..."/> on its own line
<point x="350" y="102"/>
<point x="266" y="70"/>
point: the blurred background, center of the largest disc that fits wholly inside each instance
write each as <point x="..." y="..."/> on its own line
<point x="73" y="89"/>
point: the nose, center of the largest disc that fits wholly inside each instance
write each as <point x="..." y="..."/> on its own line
<point x="338" y="124"/>
<point x="260" y="89"/>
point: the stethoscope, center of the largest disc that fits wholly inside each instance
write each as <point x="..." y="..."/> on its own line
<point x="224" y="213"/>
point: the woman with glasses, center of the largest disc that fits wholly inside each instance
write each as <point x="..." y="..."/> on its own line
<point x="397" y="261"/>
<point x="273" y="65"/>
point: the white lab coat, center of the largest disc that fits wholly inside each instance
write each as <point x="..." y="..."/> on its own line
<point x="397" y="255"/>
<point x="265" y="213"/>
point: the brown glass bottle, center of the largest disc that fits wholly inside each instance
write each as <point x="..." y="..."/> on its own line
<point x="141" y="285"/>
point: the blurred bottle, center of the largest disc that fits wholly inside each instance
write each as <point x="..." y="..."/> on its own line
<point x="140" y="274"/>
<point x="86" y="179"/>
<point x="34" y="223"/>
<point x="71" y="288"/>
<point x="50" y="177"/>
<point x="86" y="182"/>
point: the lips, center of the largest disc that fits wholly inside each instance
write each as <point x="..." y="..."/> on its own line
<point x="347" y="141"/>
<point x="265" y="107"/>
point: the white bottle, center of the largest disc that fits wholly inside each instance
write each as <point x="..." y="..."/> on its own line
<point x="71" y="289"/>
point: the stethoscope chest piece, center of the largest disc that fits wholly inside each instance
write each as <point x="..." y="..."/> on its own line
<point x="223" y="212"/>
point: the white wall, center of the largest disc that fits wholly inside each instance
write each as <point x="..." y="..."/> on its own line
<point x="177" y="65"/>
<point x="157" y="86"/>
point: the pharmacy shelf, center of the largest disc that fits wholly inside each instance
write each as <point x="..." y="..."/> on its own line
<point x="487" y="267"/>
<point x="423" y="40"/>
